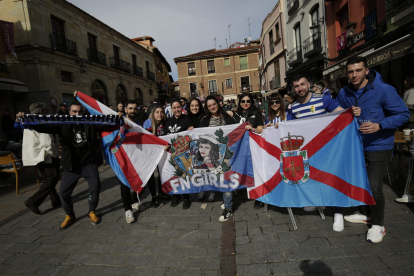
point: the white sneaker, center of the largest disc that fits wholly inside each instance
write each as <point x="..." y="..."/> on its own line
<point x="376" y="234"/>
<point x="226" y="215"/>
<point x="338" y="225"/>
<point x="129" y="216"/>
<point x="357" y="217"/>
<point x="405" y="199"/>
<point x="223" y="207"/>
<point x="312" y="208"/>
<point x="138" y="206"/>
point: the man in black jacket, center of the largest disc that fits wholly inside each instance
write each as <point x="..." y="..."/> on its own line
<point x="81" y="157"/>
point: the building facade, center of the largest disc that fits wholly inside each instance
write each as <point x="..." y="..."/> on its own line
<point x="273" y="51"/>
<point x="306" y="46"/>
<point x="61" y="48"/>
<point x="380" y="30"/>
<point x="223" y="73"/>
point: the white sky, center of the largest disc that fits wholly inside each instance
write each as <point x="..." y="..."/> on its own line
<point x="181" y="27"/>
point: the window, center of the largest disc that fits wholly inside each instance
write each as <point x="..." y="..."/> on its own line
<point x="212" y="86"/>
<point x="92" y="42"/>
<point x="147" y="65"/>
<point x="193" y="89"/>
<point x="343" y="18"/>
<point x="121" y="94"/>
<point x="150" y="92"/>
<point x="277" y="68"/>
<point x="226" y="62"/>
<point x="210" y="66"/>
<point x="58" y="27"/>
<point x="138" y="96"/>
<point x="315" y="16"/>
<point x="245" y="84"/>
<point x="134" y="61"/>
<point x="229" y="83"/>
<point x="297" y="36"/>
<point x="116" y="52"/>
<point x="66" y="76"/>
<point x="243" y="63"/>
<point x="98" y="91"/>
<point x="277" y="31"/>
<point x="191" y="69"/>
<point x="271" y="46"/>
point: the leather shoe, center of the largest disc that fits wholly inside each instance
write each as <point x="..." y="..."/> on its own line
<point x="155" y="202"/>
<point x="186" y="204"/>
<point x="174" y="202"/>
<point x="32" y="208"/>
<point x="258" y="204"/>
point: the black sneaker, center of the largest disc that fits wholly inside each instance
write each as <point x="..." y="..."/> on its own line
<point x="155" y="202"/>
<point x="258" y="204"/>
<point x="186" y="204"/>
<point x="174" y="201"/>
<point x="32" y="208"/>
<point x="163" y="196"/>
<point x="225" y="216"/>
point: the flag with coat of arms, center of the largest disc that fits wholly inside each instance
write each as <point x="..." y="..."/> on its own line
<point x="317" y="161"/>
<point x="131" y="151"/>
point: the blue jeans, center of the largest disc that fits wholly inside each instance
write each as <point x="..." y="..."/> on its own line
<point x="228" y="200"/>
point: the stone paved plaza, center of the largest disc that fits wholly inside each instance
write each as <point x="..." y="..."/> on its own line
<point x="172" y="241"/>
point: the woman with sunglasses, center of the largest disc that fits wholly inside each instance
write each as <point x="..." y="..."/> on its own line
<point x="216" y="116"/>
<point x="247" y="112"/>
<point x="195" y="111"/>
<point x="277" y="112"/>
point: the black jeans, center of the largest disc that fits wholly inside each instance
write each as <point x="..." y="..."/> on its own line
<point x="377" y="163"/>
<point x="152" y="185"/>
<point x="50" y="173"/>
<point x="68" y="184"/>
<point x="127" y="197"/>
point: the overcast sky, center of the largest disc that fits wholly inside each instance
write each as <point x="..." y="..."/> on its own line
<point x="181" y="27"/>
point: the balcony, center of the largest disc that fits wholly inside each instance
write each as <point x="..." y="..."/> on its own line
<point x="390" y="5"/>
<point x="371" y="25"/>
<point x="245" y="88"/>
<point x="194" y="93"/>
<point x="120" y="64"/>
<point x="275" y="82"/>
<point x="150" y="75"/>
<point x="295" y="56"/>
<point x="211" y="69"/>
<point x="96" y="56"/>
<point x="312" y="45"/>
<point x="138" y="71"/>
<point x="292" y="6"/>
<point x="64" y="45"/>
<point x="214" y="92"/>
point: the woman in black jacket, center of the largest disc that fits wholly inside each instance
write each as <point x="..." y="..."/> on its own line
<point x="247" y="112"/>
<point x="177" y="123"/>
<point x="195" y="111"/>
<point x="216" y="116"/>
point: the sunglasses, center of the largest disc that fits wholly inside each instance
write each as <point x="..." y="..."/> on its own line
<point x="274" y="102"/>
<point x="243" y="101"/>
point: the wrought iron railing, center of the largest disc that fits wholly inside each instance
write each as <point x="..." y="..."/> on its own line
<point x="120" y="64"/>
<point x="63" y="44"/>
<point x="245" y="88"/>
<point x="391" y="4"/>
<point x="138" y="71"/>
<point x="292" y="6"/>
<point x="295" y="56"/>
<point x="214" y="92"/>
<point x="194" y="93"/>
<point x="96" y="56"/>
<point x="150" y="75"/>
<point x="312" y="45"/>
<point x="371" y="25"/>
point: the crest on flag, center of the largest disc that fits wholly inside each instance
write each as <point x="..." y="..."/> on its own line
<point x="207" y="154"/>
<point x="294" y="163"/>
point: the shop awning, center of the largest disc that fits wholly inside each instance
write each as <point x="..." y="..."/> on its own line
<point x="12" y="85"/>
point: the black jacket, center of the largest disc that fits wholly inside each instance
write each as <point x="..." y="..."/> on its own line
<point x="174" y="125"/>
<point x="205" y="121"/>
<point x="254" y="117"/>
<point x="196" y="119"/>
<point x="65" y="132"/>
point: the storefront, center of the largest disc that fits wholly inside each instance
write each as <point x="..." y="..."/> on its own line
<point x="8" y="88"/>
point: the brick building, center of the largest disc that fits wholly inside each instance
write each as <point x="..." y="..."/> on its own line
<point x="224" y="73"/>
<point x="61" y="48"/>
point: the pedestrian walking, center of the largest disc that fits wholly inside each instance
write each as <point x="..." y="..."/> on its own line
<point x="381" y="111"/>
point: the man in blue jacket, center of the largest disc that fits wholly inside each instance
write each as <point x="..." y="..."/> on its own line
<point x="381" y="111"/>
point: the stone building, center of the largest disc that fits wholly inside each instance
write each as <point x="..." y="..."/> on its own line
<point x="61" y="48"/>
<point x="273" y="51"/>
<point x="223" y="73"/>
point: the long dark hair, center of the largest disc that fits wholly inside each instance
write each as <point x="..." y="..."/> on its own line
<point x="220" y="109"/>
<point x="252" y="106"/>
<point x="200" y="109"/>
<point x="214" y="152"/>
<point x="272" y="113"/>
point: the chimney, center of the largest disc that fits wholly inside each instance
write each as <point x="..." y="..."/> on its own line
<point x="220" y="47"/>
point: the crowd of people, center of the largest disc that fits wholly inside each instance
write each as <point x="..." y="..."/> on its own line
<point x="376" y="105"/>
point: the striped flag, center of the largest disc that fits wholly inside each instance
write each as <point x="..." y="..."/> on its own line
<point x="131" y="151"/>
<point x="317" y="161"/>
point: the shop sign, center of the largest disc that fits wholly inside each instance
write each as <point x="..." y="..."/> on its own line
<point x="355" y="39"/>
<point x="397" y="51"/>
<point x="11" y="87"/>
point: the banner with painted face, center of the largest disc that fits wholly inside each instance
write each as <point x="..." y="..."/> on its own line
<point x="207" y="159"/>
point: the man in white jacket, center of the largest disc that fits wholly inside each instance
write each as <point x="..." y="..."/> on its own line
<point x="39" y="150"/>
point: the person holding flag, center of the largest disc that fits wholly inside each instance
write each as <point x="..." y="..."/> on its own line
<point x="380" y="111"/>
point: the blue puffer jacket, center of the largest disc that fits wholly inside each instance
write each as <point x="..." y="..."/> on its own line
<point x="379" y="102"/>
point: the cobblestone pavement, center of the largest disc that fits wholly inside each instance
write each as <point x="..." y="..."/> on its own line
<point x="172" y="241"/>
